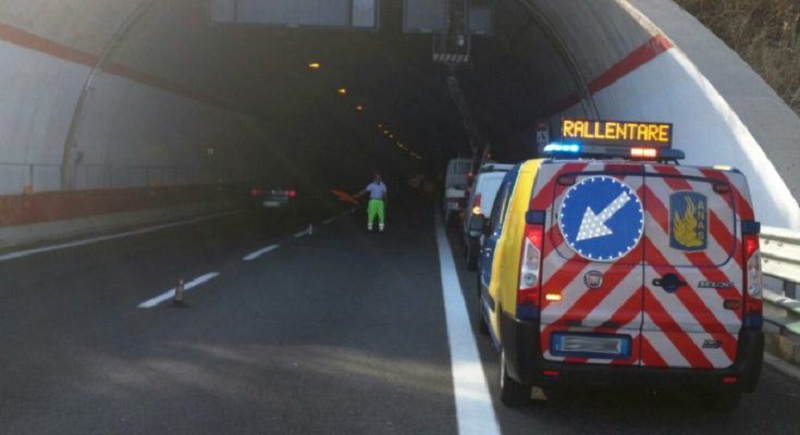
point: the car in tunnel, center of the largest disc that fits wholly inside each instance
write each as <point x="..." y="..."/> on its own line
<point x="613" y="272"/>
<point x="479" y="201"/>
<point x="272" y="197"/>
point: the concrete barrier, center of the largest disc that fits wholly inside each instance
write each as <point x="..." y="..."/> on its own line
<point x="54" y="216"/>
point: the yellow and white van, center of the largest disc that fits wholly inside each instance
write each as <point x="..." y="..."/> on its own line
<point x="613" y="264"/>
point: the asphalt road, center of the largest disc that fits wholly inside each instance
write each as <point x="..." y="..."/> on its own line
<point x="338" y="332"/>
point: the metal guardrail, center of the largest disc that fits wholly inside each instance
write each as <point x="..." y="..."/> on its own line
<point x="780" y="260"/>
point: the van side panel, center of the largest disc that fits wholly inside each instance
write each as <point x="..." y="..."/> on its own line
<point x="509" y="246"/>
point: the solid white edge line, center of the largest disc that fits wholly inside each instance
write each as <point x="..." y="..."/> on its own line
<point x="253" y="255"/>
<point x="34" y="251"/>
<point x="474" y="409"/>
<point x="329" y="221"/>
<point x="150" y="303"/>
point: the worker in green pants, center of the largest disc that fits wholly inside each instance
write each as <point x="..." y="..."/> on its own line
<point x="378" y="195"/>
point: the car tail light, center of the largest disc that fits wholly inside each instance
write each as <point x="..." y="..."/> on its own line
<point x="476" y="205"/>
<point x="291" y="193"/>
<point x="753" y="280"/>
<point x="255" y="192"/>
<point x="530" y="273"/>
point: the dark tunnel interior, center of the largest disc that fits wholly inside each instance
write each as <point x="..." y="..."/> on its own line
<point x="398" y="114"/>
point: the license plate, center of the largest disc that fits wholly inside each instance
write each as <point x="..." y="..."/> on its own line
<point x="271" y="204"/>
<point x="591" y="346"/>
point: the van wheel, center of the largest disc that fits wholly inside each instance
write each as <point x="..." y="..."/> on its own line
<point x="512" y="393"/>
<point x="472" y="256"/>
<point x="450" y="219"/>
<point x="722" y="401"/>
<point x="482" y="327"/>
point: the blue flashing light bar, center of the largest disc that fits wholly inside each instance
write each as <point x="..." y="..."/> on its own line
<point x="557" y="148"/>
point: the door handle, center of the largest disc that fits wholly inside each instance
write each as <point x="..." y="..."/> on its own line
<point x="669" y="282"/>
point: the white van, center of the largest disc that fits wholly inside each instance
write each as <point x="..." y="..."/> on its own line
<point x="455" y="187"/>
<point x="623" y="268"/>
<point x="480" y="201"/>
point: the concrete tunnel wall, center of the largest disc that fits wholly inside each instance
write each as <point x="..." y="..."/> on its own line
<point x="144" y="136"/>
<point x="131" y="135"/>
<point x="631" y="65"/>
<point x="635" y="70"/>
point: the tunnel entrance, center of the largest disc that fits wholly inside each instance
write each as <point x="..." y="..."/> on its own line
<point x="154" y="94"/>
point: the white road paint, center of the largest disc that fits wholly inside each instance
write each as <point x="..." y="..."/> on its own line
<point x="34" y="251"/>
<point x="329" y="221"/>
<point x="253" y="255"/>
<point x="302" y="234"/>
<point x="474" y="410"/>
<point x="169" y="294"/>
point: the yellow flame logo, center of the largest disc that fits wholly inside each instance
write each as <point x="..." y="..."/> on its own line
<point x="685" y="228"/>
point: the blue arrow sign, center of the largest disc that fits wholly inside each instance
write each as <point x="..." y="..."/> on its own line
<point x="601" y="218"/>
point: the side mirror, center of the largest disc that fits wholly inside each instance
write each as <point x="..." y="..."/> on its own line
<point x="477" y="226"/>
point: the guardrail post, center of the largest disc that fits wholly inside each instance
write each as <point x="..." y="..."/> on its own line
<point x="790" y="289"/>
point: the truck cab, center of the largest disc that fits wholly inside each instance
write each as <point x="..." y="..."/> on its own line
<point x="455" y="188"/>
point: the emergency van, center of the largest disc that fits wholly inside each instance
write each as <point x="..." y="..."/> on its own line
<point x="608" y="263"/>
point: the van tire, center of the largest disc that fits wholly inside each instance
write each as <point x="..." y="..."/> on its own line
<point x="472" y="256"/>
<point x="450" y="219"/>
<point x="481" y="326"/>
<point x="512" y="393"/>
<point x="722" y="402"/>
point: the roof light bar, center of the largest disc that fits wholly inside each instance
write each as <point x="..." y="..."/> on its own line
<point x="648" y="153"/>
<point x="600" y="151"/>
<point x="557" y="148"/>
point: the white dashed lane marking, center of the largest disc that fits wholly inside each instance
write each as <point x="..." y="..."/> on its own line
<point x="253" y="255"/>
<point x="150" y="303"/>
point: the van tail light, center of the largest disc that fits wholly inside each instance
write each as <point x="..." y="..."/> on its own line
<point x="752" y="279"/>
<point x="530" y="273"/>
<point x="476" y="205"/>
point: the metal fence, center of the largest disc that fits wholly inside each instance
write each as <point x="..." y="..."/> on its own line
<point x="780" y="262"/>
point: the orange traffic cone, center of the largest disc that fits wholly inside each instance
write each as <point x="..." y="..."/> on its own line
<point x="180" y="290"/>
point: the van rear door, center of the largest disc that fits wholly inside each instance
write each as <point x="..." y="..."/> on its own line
<point x="591" y="298"/>
<point x="693" y="281"/>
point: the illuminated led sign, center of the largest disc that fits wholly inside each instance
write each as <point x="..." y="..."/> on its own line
<point x="617" y="133"/>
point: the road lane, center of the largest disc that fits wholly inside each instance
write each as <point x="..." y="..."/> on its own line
<point x="772" y="409"/>
<point x="332" y="334"/>
<point x="336" y="332"/>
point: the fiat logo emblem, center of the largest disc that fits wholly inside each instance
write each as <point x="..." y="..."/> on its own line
<point x="593" y="279"/>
